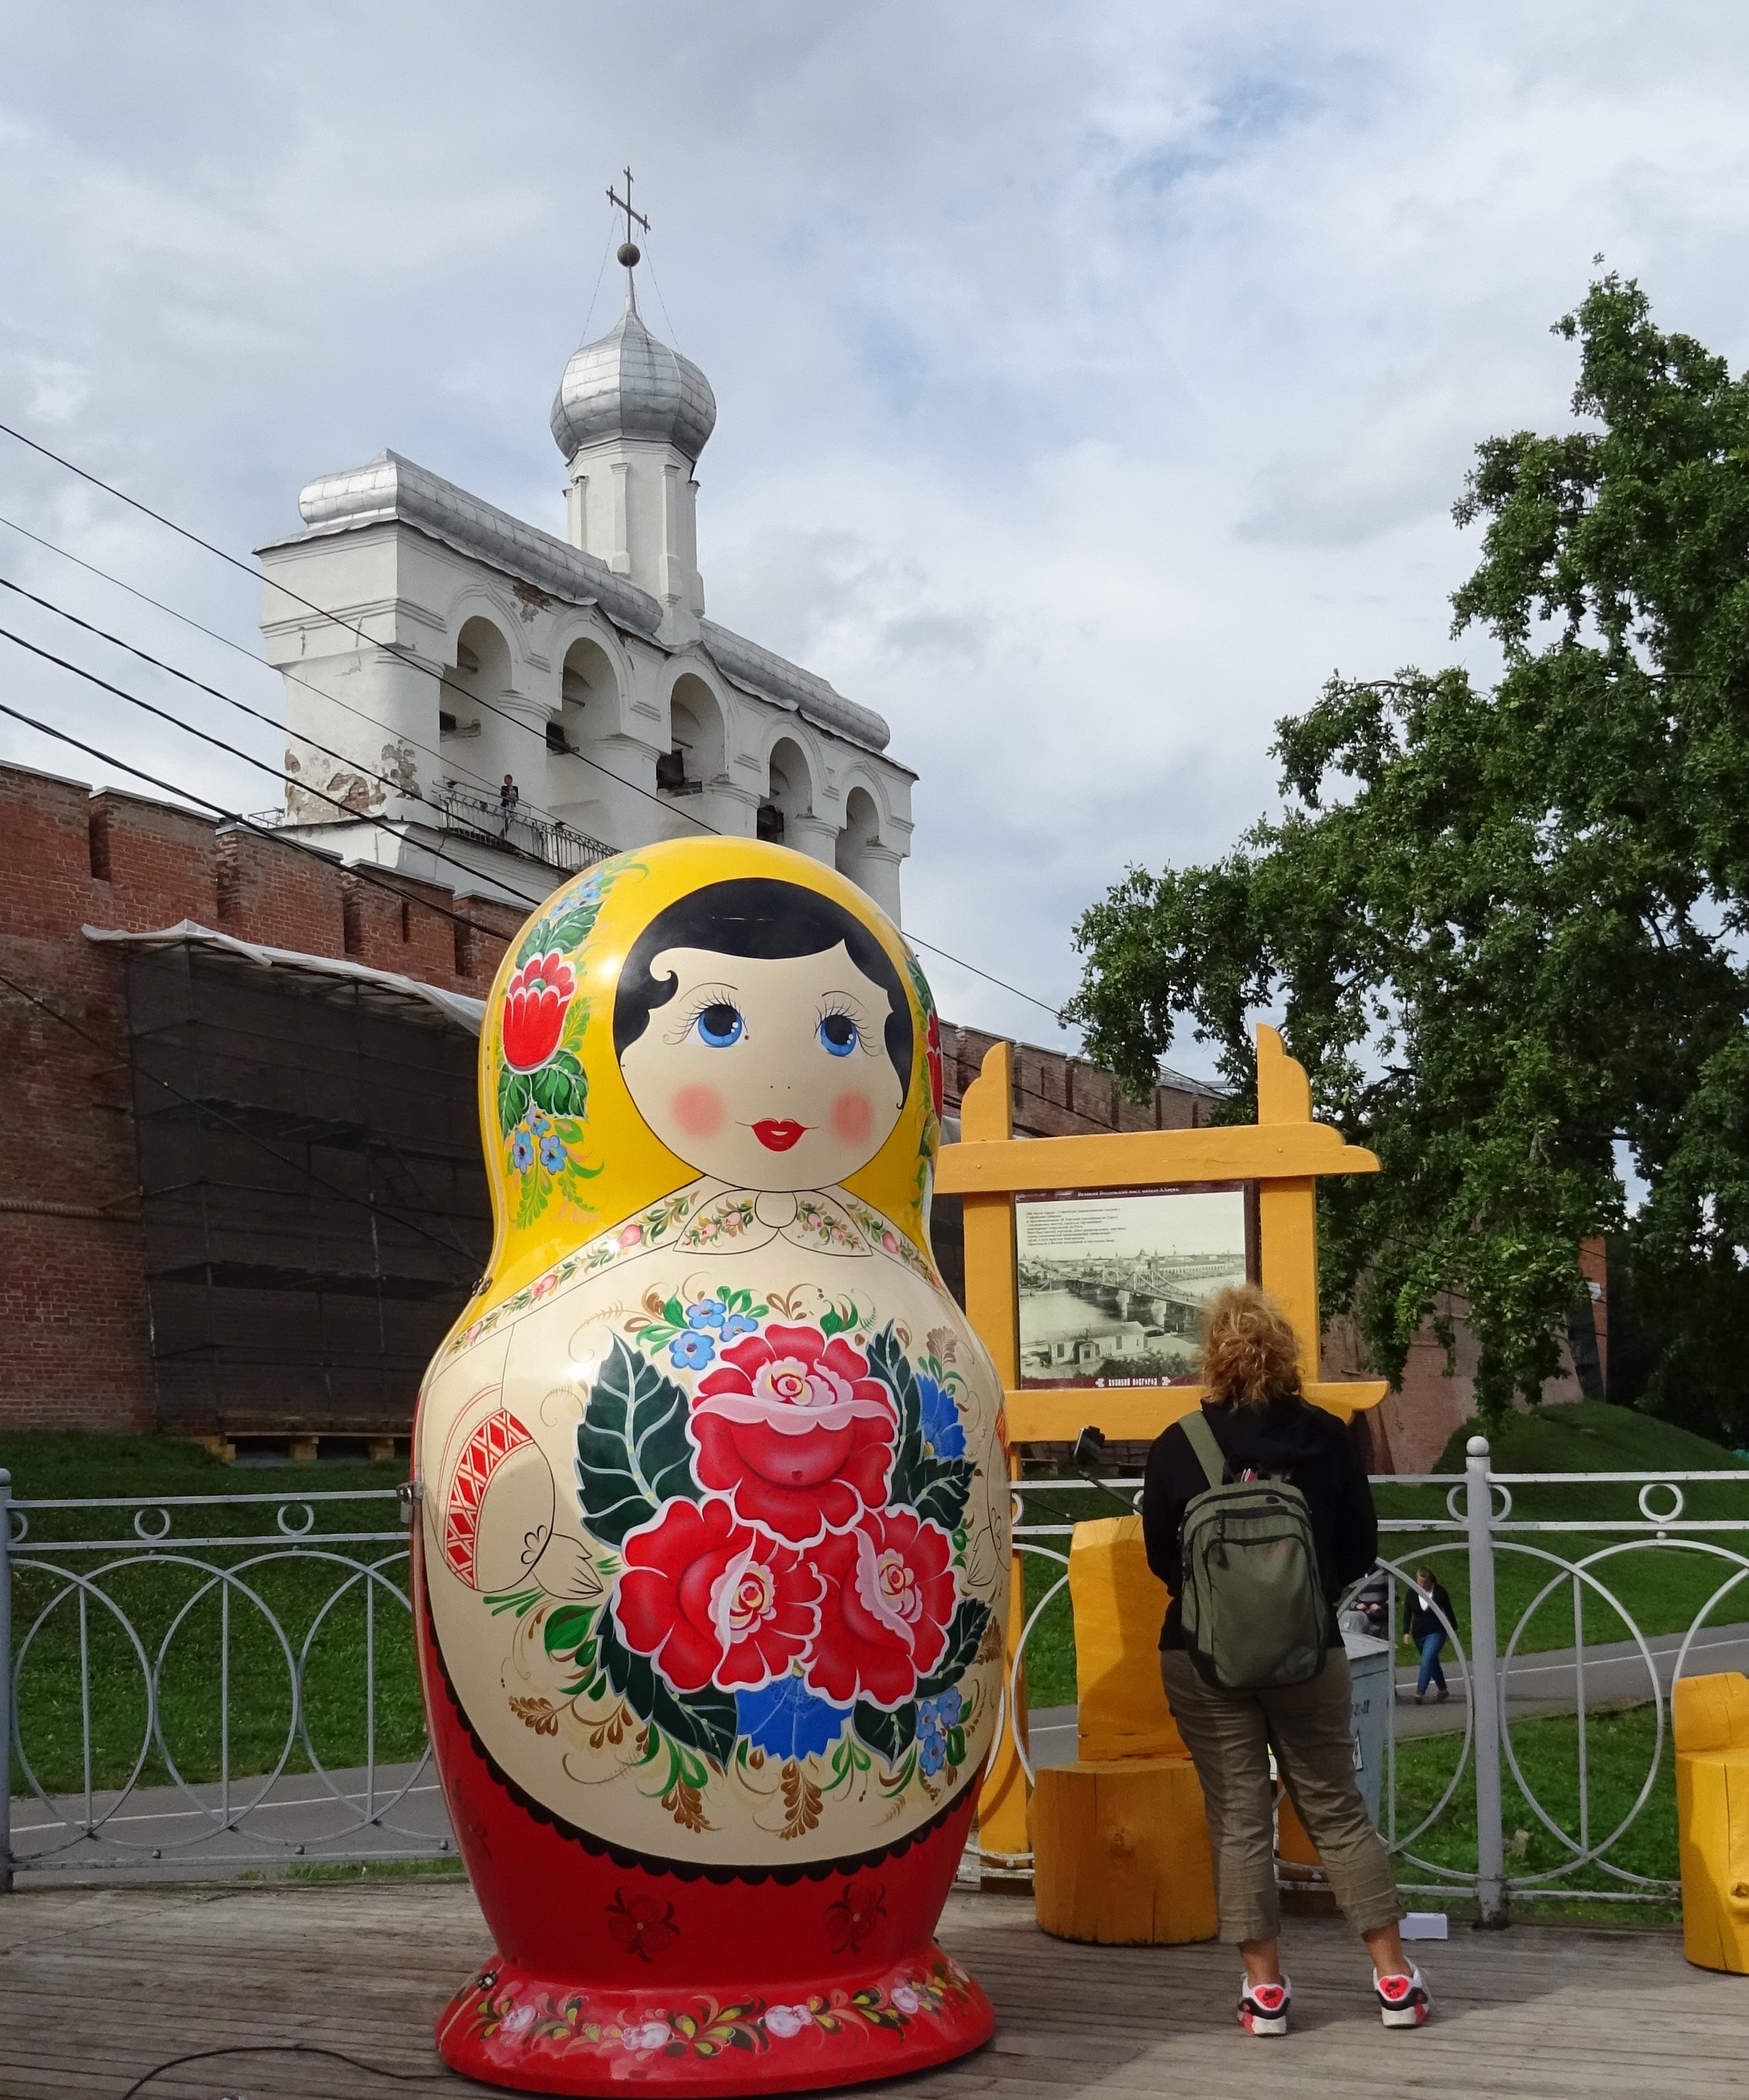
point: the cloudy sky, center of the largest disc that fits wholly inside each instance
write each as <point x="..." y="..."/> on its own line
<point x="1093" y="380"/>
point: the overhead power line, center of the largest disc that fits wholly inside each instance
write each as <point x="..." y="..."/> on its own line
<point x="356" y="869"/>
<point x="351" y="626"/>
<point x="460" y="768"/>
<point x="200" y="685"/>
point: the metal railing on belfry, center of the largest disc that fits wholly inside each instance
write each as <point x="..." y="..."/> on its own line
<point x="192" y="1682"/>
<point x="532" y="830"/>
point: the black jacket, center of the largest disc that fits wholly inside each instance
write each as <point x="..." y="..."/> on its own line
<point x="1287" y="1439"/>
<point x="1420" y="1620"/>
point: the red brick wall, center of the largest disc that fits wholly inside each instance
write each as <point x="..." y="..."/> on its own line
<point x="73" y="1287"/>
<point x="1056" y="1095"/>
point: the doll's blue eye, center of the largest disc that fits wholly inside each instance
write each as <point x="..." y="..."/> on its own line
<point x="838" y="1034"/>
<point x="719" y="1025"/>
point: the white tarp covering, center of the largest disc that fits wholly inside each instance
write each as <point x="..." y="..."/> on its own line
<point x="457" y="1005"/>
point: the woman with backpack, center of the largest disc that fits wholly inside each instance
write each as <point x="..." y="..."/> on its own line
<point x="1257" y="1514"/>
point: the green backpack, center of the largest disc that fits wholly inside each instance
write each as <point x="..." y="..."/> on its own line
<point x="1252" y="1603"/>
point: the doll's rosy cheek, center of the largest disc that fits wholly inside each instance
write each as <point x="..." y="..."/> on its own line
<point x="853" y="1117"/>
<point x="698" y="1111"/>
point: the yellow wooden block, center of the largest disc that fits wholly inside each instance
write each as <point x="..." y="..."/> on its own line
<point x="1120" y="1853"/>
<point x="1710" y="1712"/>
<point x="1119" y="1603"/>
<point x="1710" y="1718"/>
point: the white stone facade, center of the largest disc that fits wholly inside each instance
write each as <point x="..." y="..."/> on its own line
<point x="583" y="667"/>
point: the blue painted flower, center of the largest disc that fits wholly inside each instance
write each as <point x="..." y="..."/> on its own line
<point x="786" y="1720"/>
<point x="707" y="1312"/>
<point x="522" y="1152"/>
<point x="935" y="1717"/>
<point x="537" y="1122"/>
<point x="690" y="1352"/>
<point x="738" y="1323"/>
<point x="943" y="1432"/>
<point x="552" y="1152"/>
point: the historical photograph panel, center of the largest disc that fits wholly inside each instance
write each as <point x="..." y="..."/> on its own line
<point x="1112" y="1284"/>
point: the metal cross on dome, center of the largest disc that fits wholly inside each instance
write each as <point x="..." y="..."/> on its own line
<point x="628" y="251"/>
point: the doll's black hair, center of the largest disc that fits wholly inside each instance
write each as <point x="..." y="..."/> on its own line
<point x="772" y="922"/>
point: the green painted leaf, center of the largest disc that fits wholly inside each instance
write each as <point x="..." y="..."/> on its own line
<point x="536" y="1189"/>
<point x="566" y="1628"/>
<point x="514" y="1092"/>
<point x="701" y="1721"/>
<point x="889" y="1735"/>
<point x="938" y="1488"/>
<point x="634" y="1449"/>
<point x="964" y="1635"/>
<point x="560" y="1086"/>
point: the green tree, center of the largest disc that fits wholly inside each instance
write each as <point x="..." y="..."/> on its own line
<point x="1505" y="928"/>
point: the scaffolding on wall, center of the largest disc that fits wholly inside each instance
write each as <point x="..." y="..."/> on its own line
<point x="314" y="1202"/>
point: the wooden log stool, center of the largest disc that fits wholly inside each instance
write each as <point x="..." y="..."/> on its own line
<point x="1710" y="1721"/>
<point x="1119" y="1840"/>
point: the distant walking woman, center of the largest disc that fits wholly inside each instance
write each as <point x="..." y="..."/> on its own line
<point x="1264" y="1617"/>
<point x="1429" y="1614"/>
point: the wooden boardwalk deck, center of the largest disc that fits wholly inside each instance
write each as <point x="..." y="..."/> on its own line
<point x="98" y="1985"/>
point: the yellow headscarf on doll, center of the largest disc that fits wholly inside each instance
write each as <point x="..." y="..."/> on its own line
<point x="568" y="1153"/>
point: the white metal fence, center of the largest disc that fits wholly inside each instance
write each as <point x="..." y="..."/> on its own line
<point x="1589" y="1549"/>
<point x="176" y="1671"/>
<point x="133" y="1628"/>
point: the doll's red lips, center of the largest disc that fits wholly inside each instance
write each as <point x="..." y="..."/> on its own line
<point x="778" y="1136"/>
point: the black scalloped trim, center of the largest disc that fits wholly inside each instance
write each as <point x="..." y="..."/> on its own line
<point x="682" y="1870"/>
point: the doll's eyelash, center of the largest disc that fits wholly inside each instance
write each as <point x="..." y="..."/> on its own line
<point x="701" y="1002"/>
<point x="836" y="1002"/>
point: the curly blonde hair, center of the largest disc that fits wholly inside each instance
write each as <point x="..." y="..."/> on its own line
<point x="1250" y="1352"/>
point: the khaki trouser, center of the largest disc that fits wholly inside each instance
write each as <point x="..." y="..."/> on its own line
<point x="1229" y="1736"/>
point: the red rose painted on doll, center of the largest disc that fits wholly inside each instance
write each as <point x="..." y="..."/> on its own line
<point x="888" y="1598"/>
<point x="793" y="1428"/>
<point x="535" y="1000"/>
<point x="932" y="1057"/>
<point x="712" y="1600"/>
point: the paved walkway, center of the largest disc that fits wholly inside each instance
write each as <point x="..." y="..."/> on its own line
<point x="1544" y="1682"/>
<point x="167" y="1833"/>
<point x="103" y="1984"/>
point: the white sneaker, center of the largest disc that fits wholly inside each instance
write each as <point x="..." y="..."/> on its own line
<point x="1263" y="2007"/>
<point x="1404" y="2001"/>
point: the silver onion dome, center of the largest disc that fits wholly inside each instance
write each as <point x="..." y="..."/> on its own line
<point x="629" y="385"/>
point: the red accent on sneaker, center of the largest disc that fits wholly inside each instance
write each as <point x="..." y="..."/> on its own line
<point x="1263" y="2007"/>
<point x="1404" y="2001"/>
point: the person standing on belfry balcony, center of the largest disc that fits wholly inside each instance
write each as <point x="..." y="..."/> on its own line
<point x="1262" y="1429"/>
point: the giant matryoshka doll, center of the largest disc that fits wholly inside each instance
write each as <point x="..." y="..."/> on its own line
<point x="712" y="1540"/>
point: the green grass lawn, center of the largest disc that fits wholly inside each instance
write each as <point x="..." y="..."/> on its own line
<point x="179" y="1614"/>
<point x="1619" y="1748"/>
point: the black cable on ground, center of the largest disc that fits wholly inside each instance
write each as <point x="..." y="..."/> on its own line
<point x="289" y="2049"/>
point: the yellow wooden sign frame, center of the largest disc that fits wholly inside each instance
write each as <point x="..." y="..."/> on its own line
<point x="1283" y="1153"/>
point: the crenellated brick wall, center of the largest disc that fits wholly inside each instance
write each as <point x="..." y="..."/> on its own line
<point x="71" y="1260"/>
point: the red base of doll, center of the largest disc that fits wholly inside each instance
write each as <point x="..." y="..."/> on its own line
<point x="617" y="1971"/>
<point x="509" y="2028"/>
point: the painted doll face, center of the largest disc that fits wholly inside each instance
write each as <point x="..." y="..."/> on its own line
<point x="767" y="1074"/>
